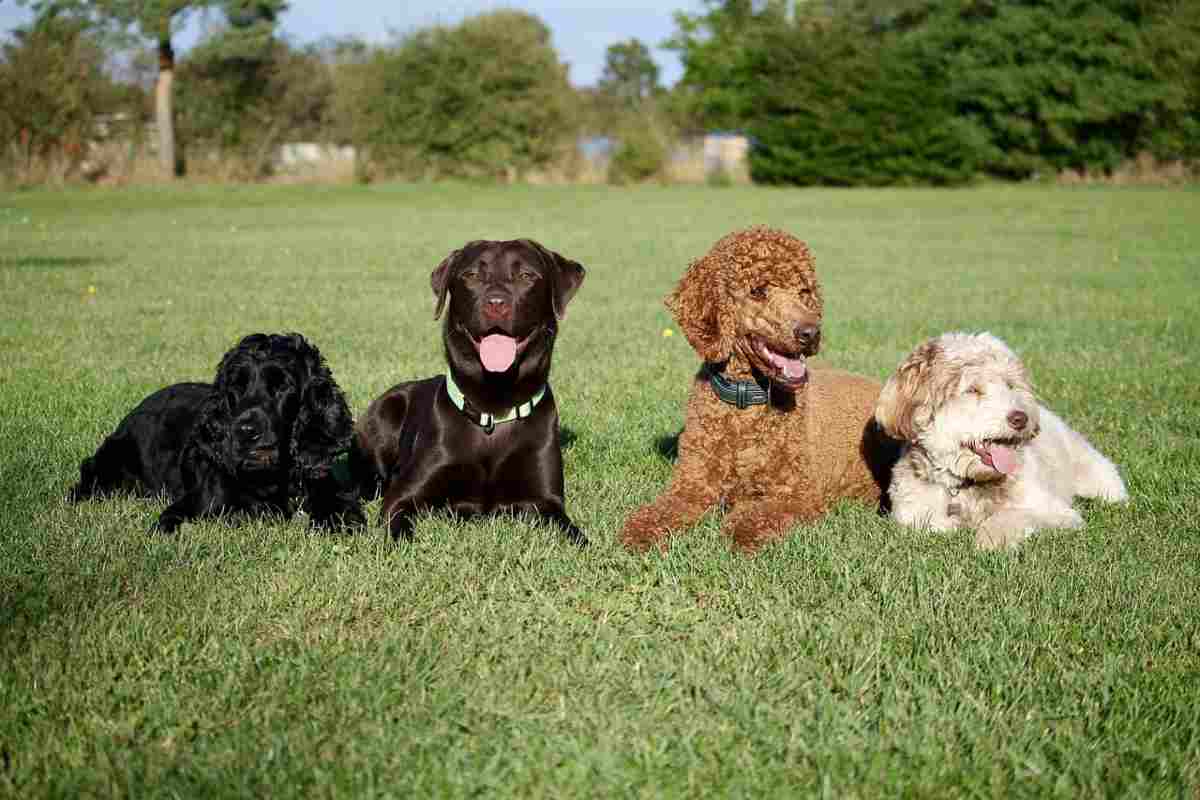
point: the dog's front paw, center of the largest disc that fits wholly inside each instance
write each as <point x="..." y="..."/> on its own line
<point x="167" y="522"/>
<point x="991" y="537"/>
<point x="647" y="527"/>
<point x="754" y="526"/>
<point x="344" y="519"/>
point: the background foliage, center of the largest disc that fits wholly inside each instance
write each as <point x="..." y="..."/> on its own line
<point x="839" y="92"/>
<point x="897" y="91"/>
<point x="487" y="98"/>
<point x="53" y="84"/>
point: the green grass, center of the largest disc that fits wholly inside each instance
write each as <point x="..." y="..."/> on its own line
<point x="853" y="659"/>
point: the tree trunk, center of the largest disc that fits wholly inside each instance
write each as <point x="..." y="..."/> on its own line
<point x="163" y="115"/>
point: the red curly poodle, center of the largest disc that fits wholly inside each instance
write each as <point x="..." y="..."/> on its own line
<point x="770" y="438"/>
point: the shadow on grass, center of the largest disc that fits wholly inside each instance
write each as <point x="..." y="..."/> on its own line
<point x="668" y="447"/>
<point x="49" y="262"/>
<point x="567" y="437"/>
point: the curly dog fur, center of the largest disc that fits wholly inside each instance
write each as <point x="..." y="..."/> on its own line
<point x="752" y="307"/>
<point x="980" y="450"/>
<point x="265" y="432"/>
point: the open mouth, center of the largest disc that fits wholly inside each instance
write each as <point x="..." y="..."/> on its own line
<point x="789" y="369"/>
<point x="497" y="350"/>
<point x="259" y="461"/>
<point x="999" y="454"/>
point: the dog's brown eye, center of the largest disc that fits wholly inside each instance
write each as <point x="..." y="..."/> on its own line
<point x="976" y="390"/>
<point x="759" y="292"/>
<point x="529" y="275"/>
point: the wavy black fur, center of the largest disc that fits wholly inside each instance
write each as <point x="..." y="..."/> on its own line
<point x="263" y="437"/>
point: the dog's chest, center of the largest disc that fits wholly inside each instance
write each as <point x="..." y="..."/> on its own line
<point x="768" y="447"/>
<point x="971" y="505"/>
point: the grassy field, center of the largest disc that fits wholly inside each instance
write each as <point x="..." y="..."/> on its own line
<point x="854" y="659"/>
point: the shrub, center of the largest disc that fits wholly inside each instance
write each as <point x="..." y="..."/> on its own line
<point x="485" y="99"/>
<point x="239" y="99"/>
<point x="640" y="155"/>
<point x="53" y="85"/>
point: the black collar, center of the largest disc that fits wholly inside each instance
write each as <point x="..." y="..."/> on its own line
<point x="736" y="393"/>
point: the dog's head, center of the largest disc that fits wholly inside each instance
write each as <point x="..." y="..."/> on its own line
<point x="502" y="300"/>
<point x="754" y="295"/>
<point x="967" y="401"/>
<point x="275" y="407"/>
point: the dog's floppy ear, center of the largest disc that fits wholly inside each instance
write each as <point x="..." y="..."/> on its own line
<point x="700" y="310"/>
<point x="209" y="430"/>
<point x="441" y="277"/>
<point x="323" y="426"/>
<point x="566" y="276"/>
<point x="904" y="404"/>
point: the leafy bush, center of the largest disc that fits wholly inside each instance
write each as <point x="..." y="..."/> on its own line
<point x="240" y="97"/>
<point x="53" y="85"/>
<point x="640" y="155"/>
<point x="485" y="99"/>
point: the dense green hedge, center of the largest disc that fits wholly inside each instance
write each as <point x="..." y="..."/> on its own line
<point x="908" y="91"/>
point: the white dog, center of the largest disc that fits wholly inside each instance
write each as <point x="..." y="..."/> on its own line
<point x="980" y="451"/>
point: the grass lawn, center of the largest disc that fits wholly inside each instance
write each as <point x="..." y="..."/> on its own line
<point x="855" y="658"/>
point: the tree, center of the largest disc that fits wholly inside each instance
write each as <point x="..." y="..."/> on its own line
<point x="240" y="97"/>
<point x="934" y="91"/>
<point x="630" y="74"/>
<point x="159" y="20"/>
<point x="53" y="83"/>
<point x="485" y="98"/>
<point x="719" y="48"/>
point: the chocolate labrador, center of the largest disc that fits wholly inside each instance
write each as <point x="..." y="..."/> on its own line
<point x="482" y="438"/>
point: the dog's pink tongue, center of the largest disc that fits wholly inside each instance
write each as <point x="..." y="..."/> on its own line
<point x="1004" y="459"/>
<point x="792" y="368"/>
<point x="497" y="352"/>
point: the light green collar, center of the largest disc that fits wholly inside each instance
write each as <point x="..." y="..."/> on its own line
<point x="489" y="421"/>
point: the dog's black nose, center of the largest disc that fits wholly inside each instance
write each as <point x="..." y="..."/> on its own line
<point x="806" y="335"/>
<point x="1018" y="420"/>
<point x="497" y="308"/>
<point x="248" y="433"/>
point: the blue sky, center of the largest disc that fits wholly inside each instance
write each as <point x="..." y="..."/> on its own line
<point x="582" y="30"/>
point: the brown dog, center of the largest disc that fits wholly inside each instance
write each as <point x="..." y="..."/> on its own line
<point x="766" y="436"/>
<point x="484" y="437"/>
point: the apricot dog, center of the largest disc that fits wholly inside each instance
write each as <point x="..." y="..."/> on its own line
<point x="768" y="437"/>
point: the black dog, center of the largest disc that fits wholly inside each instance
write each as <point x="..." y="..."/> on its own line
<point x="484" y="437"/>
<point x="266" y="431"/>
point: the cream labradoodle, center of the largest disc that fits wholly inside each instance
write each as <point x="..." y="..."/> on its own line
<point x="981" y="452"/>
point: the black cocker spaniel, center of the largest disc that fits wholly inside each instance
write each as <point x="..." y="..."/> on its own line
<point x="270" y="431"/>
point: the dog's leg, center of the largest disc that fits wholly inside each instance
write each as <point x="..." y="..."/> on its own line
<point x="552" y="511"/>
<point x="567" y="527"/>
<point x="694" y="489"/>
<point x="751" y="525"/>
<point x="207" y="496"/>
<point x="1011" y="526"/>
<point x="400" y="508"/>
<point x="1097" y="476"/>
<point x="331" y="504"/>
<point x="683" y="504"/>
<point x="1077" y="468"/>
<point x="192" y="505"/>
